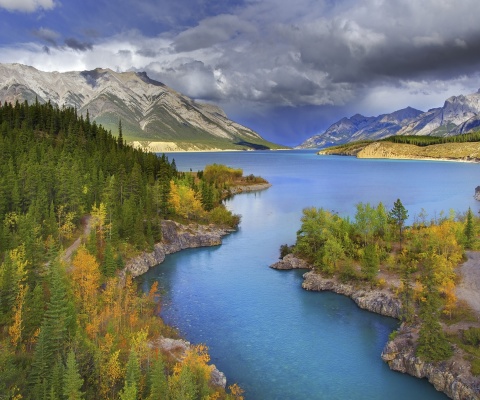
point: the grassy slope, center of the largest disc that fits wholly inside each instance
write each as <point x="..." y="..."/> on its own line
<point x="451" y="151"/>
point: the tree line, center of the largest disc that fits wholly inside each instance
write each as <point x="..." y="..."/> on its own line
<point x="430" y="140"/>
<point x="71" y="330"/>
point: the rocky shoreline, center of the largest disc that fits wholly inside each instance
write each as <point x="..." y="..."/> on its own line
<point x="249" y="188"/>
<point x="452" y="377"/>
<point x="175" y="237"/>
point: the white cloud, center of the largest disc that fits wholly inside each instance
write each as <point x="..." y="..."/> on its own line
<point x="27" y="6"/>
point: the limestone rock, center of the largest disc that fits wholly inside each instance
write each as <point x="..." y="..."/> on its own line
<point x="452" y="376"/>
<point x="380" y="301"/>
<point x="290" y="262"/>
<point x="176" y="237"/>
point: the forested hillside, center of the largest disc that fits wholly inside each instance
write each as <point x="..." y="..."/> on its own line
<point x="71" y="330"/>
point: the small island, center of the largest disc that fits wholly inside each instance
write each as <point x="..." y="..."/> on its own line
<point x="426" y="275"/>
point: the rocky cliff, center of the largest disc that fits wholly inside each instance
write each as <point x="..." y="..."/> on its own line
<point x="452" y="377"/>
<point x="176" y="237"/>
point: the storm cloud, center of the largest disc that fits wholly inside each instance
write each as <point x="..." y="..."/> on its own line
<point x="78" y="45"/>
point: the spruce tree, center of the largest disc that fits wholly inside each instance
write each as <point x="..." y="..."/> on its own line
<point x="469" y="230"/>
<point x="158" y="380"/>
<point x="72" y="380"/>
<point x="432" y="342"/>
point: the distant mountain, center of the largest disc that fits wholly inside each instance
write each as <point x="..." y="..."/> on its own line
<point x="459" y="114"/>
<point x="360" y="127"/>
<point x="151" y="112"/>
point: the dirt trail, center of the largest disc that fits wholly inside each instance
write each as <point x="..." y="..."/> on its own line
<point x="469" y="287"/>
<point x="87" y="226"/>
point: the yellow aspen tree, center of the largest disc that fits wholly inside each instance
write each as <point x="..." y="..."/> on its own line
<point x="450" y="298"/>
<point x="99" y="215"/>
<point x="86" y="276"/>
<point x="174" y="197"/>
<point x="15" y="330"/>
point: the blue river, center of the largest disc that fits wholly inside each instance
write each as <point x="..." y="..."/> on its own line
<point x="276" y="340"/>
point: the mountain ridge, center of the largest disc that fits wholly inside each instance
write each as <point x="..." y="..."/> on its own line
<point x="149" y="110"/>
<point x="459" y="114"/>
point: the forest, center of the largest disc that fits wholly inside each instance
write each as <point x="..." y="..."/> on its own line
<point x="69" y="327"/>
<point x="418" y="263"/>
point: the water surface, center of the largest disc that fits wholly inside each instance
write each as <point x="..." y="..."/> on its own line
<point x="264" y="331"/>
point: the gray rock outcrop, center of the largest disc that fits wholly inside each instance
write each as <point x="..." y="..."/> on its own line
<point x="452" y="377"/>
<point x="290" y="262"/>
<point x="477" y="193"/>
<point x="176" y="237"/>
<point x="177" y="348"/>
<point x="380" y="301"/>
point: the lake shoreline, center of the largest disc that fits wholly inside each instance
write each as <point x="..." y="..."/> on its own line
<point x="451" y="377"/>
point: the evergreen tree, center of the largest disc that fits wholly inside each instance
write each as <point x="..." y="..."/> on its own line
<point x="432" y="342"/>
<point x="158" y="380"/>
<point x="469" y="230"/>
<point x="72" y="380"/>
<point x="398" y="215"/>
<point x="370" y="262"/>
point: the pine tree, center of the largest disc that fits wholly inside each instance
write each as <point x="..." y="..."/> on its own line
<point x="72" y="380"/>
<point x="158" y="380"/>
<point x="432" y="342"/>
<point x="469" y="230"/>
<point x="398" y="215"/>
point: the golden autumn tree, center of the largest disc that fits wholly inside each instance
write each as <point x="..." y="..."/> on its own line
<point x="185" y="201"/>
<point x="86" y="276"/>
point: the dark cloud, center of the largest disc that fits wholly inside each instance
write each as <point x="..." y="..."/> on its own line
<point x="150" y="53"/>
<point x="452" y="58"/>
<point x="47" y="35"/>
<point x="77" y="45"/>
<point x="46" y="49"/>
<point x="211" y="31"/>
<point x="188" y="76"/>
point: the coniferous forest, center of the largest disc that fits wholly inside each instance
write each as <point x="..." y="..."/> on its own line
<point x="69" y="327"/>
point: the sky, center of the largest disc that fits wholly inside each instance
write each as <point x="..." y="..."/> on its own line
<point x="287" y="69"/>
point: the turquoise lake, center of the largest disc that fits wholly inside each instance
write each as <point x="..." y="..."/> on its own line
<point x="263" y="330"/>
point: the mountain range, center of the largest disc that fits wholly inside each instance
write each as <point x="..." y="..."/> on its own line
<point x="459" y="114"/>
<point x="153" y="115"/>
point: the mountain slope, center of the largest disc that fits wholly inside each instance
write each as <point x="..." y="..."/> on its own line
<point x="446" y="120"/>
<point x="360" y="127"/>
<point x="149" y="110"/>
<point x="459" y="114"/>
